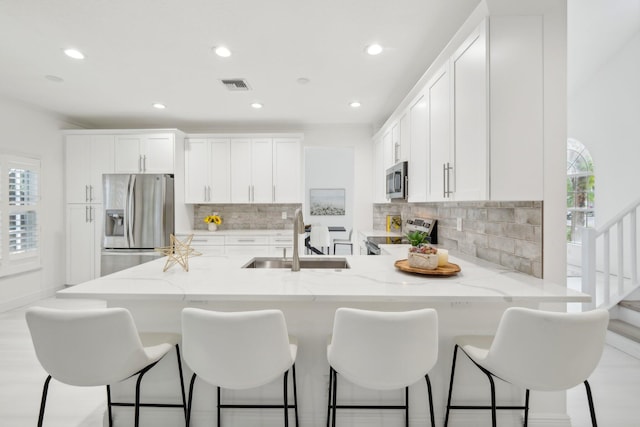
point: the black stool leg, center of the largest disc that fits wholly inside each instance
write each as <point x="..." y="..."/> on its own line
<point x="43" y="401"/>
<point x="592" y="410"/>
<point x="526" y="408"/>
<point x="295" y="393"/>
<point x="218" y="408"/>
<point x="430" y="396"/>
<point x="453" y="371"/>
<point x="109" y="405"/>
<point x="493" y="399"/>
<point x="184" y="399"/>
<point x="137" y="404"/>
<point x="286" y="399"/>
<point x="406" y="406"/>
<point x="193" y="379"/>
<point x="335" y="401"/>
<point x="329" y="396"/>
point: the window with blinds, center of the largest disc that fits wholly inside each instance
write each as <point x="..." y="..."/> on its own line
<point x="19" y="214"/>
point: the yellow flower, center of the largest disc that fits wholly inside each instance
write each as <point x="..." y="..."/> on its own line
<point x="216" y="219"/>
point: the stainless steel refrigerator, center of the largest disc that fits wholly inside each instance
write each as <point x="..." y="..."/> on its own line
<point x="138" y="217"/>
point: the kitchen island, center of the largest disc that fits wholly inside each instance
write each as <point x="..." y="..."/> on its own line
<point x="470" y="302"/>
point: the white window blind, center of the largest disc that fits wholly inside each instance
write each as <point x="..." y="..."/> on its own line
<point x="19" y="214"/>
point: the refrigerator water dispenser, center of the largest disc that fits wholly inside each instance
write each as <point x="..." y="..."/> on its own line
<point x="114" y="225"/>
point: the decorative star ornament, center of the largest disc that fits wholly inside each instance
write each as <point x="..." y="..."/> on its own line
<point x="178" y="252"/>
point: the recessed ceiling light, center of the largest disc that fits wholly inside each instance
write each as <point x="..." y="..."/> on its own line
<point x="256" y="105"/>
<point x="54" y="79"/>
<point x="74" y="53"/>
<point x="374" y="49"/>
<point x="222" y="51"/>
<point x="303" y="80"/>
<point x="354" y="104"/>
<point x="159" y="106"/>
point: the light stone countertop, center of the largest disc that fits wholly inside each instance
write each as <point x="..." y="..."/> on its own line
<point x="236" y="232"/>
<point x="370" y="278"/>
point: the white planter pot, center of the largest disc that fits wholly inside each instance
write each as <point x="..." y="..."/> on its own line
<point x="425" y="261"/>
<point x="212" y="226"/>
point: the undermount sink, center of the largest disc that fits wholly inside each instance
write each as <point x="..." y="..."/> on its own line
<point x="279" y="262"/>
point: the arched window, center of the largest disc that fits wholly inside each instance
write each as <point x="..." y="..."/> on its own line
<point x="580" y="190"/>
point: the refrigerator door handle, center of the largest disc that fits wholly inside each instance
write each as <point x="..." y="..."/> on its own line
<point x="130" y="210"/>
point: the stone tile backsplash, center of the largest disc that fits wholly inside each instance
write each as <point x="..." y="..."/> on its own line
<point x="247" y="216"/>
<point x="505" y="233"/>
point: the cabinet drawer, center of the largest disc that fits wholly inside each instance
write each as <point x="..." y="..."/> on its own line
<point x="281" y="240"/>
<point x="207" y="241"/>
<point x="247" y="240"/>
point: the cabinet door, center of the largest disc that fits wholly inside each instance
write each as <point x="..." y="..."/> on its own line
<point x="102" y="152"/>
<point x="378" y="178"/>
<point x="439" y="107"/>
<point x="469" y="68"/>
<point x="240" y="170"/>
<point x="395" y="143"/>
<point x="83" y="247"/>
<point x="405" y="137"/>
<point x="127" y="154"/>
<point x="219" y="170"/>
<point x="157" y="153"/>
<point x="77" y="168"/>
<point x="262" y="170"/>
<point x="387" y="150"/>
<point x="418" y="161"/>
<point x="286" y="170"/>
<point x="87" y="157"/>
<point x="197" y="167"/>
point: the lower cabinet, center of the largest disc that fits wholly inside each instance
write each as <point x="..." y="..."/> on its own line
<point x="84" y="233"/>
<point x="247" y="245"/>
<point x="206" y="245"/>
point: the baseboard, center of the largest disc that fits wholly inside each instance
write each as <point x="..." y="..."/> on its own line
<point x="623" y="344"/>
<point x="12" y="304"/>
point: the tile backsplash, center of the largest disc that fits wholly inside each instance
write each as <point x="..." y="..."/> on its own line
<point x="505" y="233"/>
<point x="247" y="216"/>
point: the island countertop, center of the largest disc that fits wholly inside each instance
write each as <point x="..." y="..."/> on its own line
<point x="370" y="279"/>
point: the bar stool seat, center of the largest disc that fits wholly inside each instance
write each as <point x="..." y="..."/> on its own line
<point x="382" y="351"/>
<point x="237" y="351"/>
<point x="346" y="241"/>
<point x="97" y="347"/>
<point x="536" y="350"/>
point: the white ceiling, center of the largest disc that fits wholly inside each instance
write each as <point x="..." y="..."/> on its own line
<point x="145" y="51"/>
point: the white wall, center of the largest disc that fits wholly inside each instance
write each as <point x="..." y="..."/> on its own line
<point x="358" y="139"/>
<point x="604" y="114"/>
<point x="29" y="132"/>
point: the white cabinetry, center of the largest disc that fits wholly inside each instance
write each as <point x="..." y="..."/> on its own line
<point x="265" y="170"/>
<point x="145" y="153"/>
<point x="207" y="244"/>
<point x="286" y="170"/>
<point x="439" y="155"/>
<point x="247" y="245"/>
<point x="251" y="170"/>
<point x="87" y="157"/>
<point x="84" y="231"/>
<point x="418" y="161"/>
<point x="378" y="178"/>
<point x="278" y="245"/>
<point x="468" y="180"/>
<point x="207" y="170"/>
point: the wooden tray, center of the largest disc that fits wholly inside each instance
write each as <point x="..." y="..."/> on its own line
<point x="449" y="269"/>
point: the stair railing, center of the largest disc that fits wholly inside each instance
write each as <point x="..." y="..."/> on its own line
<point x="590" y="239"/>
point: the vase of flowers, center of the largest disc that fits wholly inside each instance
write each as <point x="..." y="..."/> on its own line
<point x="213" y="221"/>
<point x="421" y="255"/>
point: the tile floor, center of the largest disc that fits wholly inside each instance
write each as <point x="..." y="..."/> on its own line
<point x="615" y="384"/>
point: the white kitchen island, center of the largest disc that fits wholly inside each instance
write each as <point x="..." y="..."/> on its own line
<point x="468" y="303"/>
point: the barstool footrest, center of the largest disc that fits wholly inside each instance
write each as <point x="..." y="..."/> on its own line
<point x="485" y="407"/>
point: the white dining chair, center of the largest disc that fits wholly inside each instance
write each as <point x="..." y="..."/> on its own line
<point x="346" y="241"/>
<point x="97" y="347"/>
<point x="237" y="351"/>
<point x="382" y="351"/>
<point x="320" y="238"/>
<point x="536" y="350"/>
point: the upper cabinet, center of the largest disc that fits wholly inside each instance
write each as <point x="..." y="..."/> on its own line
<point x="475" y="117"/>
<point x="145" y="153"/>
<point x="241" y="169"/>
<point x="207" y="170"/>
<point x="286" y="170"/>
<point x="87" y="157"/>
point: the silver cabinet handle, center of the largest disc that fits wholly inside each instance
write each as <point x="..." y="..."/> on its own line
<point x="273" y="194"/>
<point x="139" y="163"/>
<point x="253" y="194"/>
<point x="444" y="180"/>
<point x="249" y="188"/>
<point x="205" y="193"/>
<point x="209" y="190"/>
<point x="91" y="209"/>
<point x="144" y="163"/>
<point x="91" y="193"/>
<point x="86" y="214"/>
<point x="86" y="193"/>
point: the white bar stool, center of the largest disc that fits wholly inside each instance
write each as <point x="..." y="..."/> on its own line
<point x="382" y="351"/>
<point x="536" y="350"/>
<point x="94" y="347"/>
<point x="346" y="241"/>
<point x="237" y="351"/>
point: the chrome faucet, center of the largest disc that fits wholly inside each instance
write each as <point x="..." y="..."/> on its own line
<point x="298" y="228"/>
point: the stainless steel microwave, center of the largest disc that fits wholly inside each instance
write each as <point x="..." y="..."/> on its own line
<point x="396" y="181"/>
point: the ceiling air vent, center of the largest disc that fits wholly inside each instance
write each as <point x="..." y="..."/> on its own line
<point x="235" y="84"/>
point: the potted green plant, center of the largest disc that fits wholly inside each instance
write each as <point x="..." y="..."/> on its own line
<point x="421" y="255"/>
